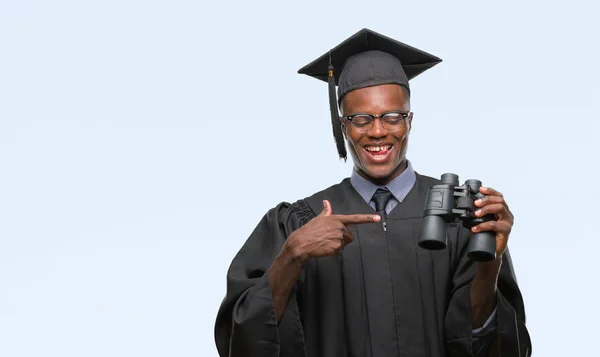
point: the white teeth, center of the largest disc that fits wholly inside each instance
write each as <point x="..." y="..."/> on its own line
<point x="377" y="148"/>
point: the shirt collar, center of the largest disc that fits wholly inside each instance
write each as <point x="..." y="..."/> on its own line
<point x="399" y="187"/>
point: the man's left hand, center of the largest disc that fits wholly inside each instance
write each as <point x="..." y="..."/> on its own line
<point x="493" y="203"/>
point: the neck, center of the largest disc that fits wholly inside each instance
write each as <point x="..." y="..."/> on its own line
<point x="384" y="180"/>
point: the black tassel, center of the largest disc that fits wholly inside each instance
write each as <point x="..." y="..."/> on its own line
<point x="335" y="116"/>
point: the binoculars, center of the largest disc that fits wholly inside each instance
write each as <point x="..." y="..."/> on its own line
<point x="448" y="202"/>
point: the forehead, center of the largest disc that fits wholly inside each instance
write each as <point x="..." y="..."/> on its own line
<point x="375" y="99"/>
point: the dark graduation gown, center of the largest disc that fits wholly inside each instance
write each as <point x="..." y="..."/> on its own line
<point x="382" y="297"/>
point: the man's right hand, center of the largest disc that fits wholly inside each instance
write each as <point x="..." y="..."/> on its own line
<point x="323" y="236"/>
<point x="326" y="234"/>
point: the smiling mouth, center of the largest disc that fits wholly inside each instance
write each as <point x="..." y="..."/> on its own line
<point x="378" y="152"/>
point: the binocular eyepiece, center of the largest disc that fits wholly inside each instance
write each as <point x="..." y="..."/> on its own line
<point x="448" y="202"/>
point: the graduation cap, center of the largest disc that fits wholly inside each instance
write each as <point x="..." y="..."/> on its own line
<point x="366" y="59"/>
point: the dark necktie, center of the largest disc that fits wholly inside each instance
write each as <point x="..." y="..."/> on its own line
<point x="381" y="199"/>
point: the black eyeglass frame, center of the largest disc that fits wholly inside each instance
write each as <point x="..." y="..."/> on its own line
<point x="367" y="126"/>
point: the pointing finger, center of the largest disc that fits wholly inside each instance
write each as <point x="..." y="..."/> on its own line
<point x="358" y="218"/>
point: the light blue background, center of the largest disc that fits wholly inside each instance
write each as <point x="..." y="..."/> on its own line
<point x="141" y="142"/>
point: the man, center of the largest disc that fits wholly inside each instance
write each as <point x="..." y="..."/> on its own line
<point x="340" y="273"/>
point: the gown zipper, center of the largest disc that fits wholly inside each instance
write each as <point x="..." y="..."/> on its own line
<point x="384" y="222"/>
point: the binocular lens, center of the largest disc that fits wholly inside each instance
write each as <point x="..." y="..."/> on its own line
<point x="433" y="233"/>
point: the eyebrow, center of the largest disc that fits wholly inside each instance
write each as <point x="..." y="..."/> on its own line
<point x="385" y="112"/>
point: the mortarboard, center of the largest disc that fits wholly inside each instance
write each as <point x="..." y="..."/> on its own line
<point x="366" y="59"/>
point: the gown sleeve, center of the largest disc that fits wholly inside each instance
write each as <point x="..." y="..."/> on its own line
<point x="510" y="337"/>
<point x="246" y="324"/>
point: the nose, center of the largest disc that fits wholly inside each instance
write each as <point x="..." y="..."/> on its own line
<point x="377" y="130"/>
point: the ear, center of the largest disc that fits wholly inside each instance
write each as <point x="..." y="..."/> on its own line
<point x="343" y="123"/>
<point x="409" y="121"/>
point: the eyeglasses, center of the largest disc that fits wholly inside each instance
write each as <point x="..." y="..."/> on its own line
<point x="392" y="121"/>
